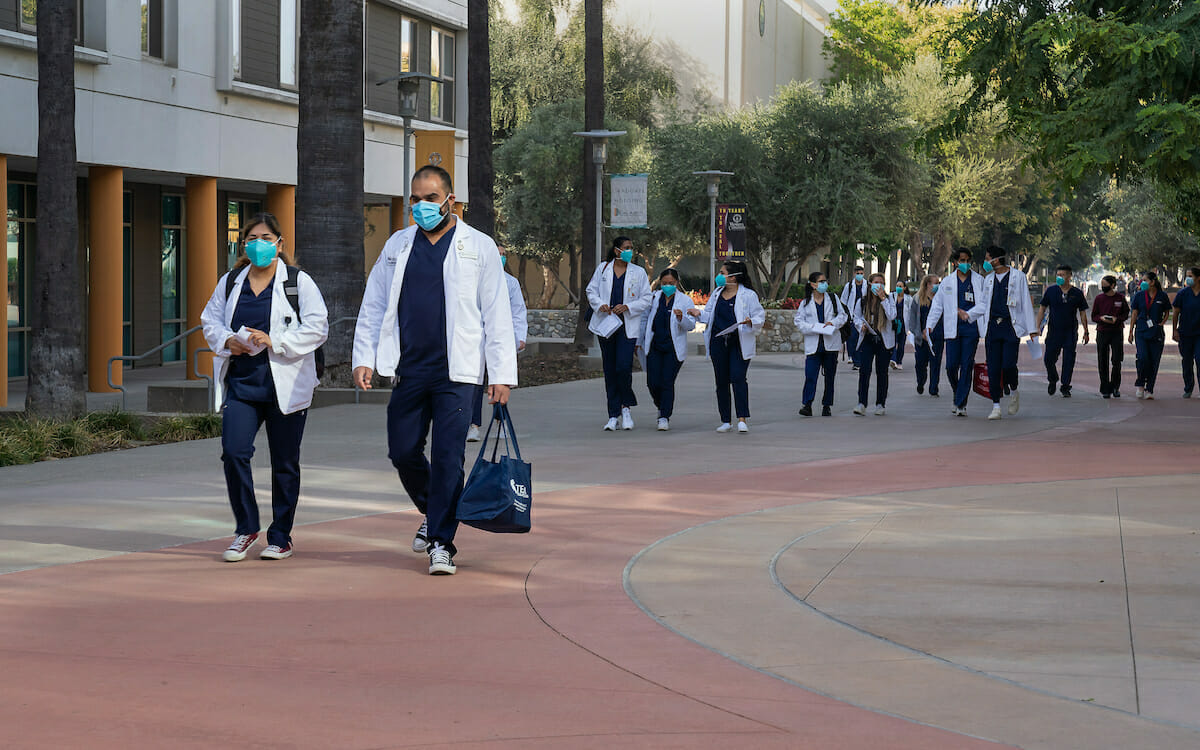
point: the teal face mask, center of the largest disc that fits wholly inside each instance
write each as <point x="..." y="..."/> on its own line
<point x="936" y="287"/>
<point x="1145" y="287"/>
<point x="719" y="280"/>
<point x="987" y="266"/>
<point x="899" y="288"/>
<point x="503" y="261"/>
<point x="261" y="252"/>
<point x="668" y="289"/>
<point x="964" y="267"/>
<point x="876" y="287"/>
<point x="858" y="277"/>
<point x="823" y="287"/>
<point x="1189" y="281"/>
<point x="1060" y="280"/>
<point x="626" y="255"/>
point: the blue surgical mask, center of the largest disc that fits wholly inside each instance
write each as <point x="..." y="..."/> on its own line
<point x="261" y="252"/>
<point x="626" y="255"/>
<point x="876" y="287"/>
<point x="428" y="214"/>
<point x="1189" y="281"/>
<point x="823" y="287"/>
<point x="936" y="287"/>
<point x="668" y="289"/>
<point x="987" y="266"/>
<point x="503" y="261"/>
<point x="1060" y="280"/>
<point x="964" y="267"/>
<point x="858" y="277"/>
<point x="899" y="288"/>
<point x="719" y="280"/>
<point x="1145" y="287"/>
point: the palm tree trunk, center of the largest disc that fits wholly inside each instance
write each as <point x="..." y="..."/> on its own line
<point x="329" y="144"/>
<point x="593" y="119"/>
<point x="56" y="387"/>
<point x="482" y="176"/>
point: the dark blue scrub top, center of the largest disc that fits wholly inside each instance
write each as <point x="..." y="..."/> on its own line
<point x="1149" y="309"/>
<point x="422" y="310"/>
<point x="1000" y="298"/>
<point x="723" y="316"/>
<point x="821" y="320"/>
<point x="249" y="378"/>
<point x="661" y="326"/>
<point x="617" y="296"/>
<point x="1188" y="303"/>
<point x="966" y="329"/>
<point x="1063" y="320"/>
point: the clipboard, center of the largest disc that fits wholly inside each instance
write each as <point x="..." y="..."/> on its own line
<point x="731" y="329"/>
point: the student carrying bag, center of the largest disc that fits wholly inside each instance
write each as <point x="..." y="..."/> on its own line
<point x="499" y="492"/>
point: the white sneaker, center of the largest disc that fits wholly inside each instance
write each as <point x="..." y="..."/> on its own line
<point x="1149" y="395"/>
<point x="626" y="419"/>
<point x="725" y="427"/>
<point x="421" y="540"/>
<point x="962" y="411"/>
<point x="995" y="412"/>
<point x="879" y="410"/>
<point x="895" y="365"/>
<point x="440" y="561"/>
<point x="956" y="412"/>
<point x="237" y="551"/>
<point x="275" y="552"/>
<point x="1014" y="404"/>
<point x="743" y="427"/>
<point x="473" y="434"/>
<point x="611" y="425"/>
<point x="1141" y="392"/>
<point x="663" y="424"/>
<point x="861" y="410"/>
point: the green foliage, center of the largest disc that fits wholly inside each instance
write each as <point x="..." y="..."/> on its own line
<point x="869" y="39"/>
<point x="1142" y="233"/>
<point x="26" y="440"/>
<point x="186" y="427"/>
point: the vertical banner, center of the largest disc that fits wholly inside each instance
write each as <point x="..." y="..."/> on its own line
<point x="731" y="231"/>
<point x="628" y="201"/>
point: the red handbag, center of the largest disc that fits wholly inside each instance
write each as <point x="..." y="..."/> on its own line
<point x="981" y="384"/>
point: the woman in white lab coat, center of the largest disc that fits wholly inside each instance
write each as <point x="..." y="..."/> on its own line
<point x="873" y="317"/>
<point x="820" y="318"/>
<point x="664" y="342"/>
<point x="264" y="323"/>
<point x="733" y="316"/>
<point x="619" y="294"/>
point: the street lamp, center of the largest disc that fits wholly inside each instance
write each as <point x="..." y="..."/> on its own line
<point x="409" y="86"/>
<point x="714" y="178"/>
<point x="599" y="140"/>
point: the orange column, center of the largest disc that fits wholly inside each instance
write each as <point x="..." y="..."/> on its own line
<point x="399" y="214"/>
<point x="105" y="277"/>
<point x="4" y="218"/>
<point x="202" y="249"/>
<point x="281" y="201"/>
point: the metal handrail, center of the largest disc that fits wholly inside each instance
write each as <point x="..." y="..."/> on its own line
<point x="135" y="358"/>
<point x="212" y="395"/>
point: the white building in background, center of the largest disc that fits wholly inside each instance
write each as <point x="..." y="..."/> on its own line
<point x="732" y="53"/>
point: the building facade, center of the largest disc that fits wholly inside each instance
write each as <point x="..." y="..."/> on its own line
<point x="186" y="115"/>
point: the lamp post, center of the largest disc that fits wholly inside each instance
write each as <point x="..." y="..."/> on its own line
<point x="599" y="140"/>
<point x="713" y="176"/>
<point x="409" y="86"/>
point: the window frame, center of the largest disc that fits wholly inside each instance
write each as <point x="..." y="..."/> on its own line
<point x="294" y="37"/>
<point x="31" y="28"/>
<point x="154" y="8"/>
<point x="177" y="352"/>
<point x="444" y="85"/>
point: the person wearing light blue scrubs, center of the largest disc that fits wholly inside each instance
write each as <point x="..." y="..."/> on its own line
<point x="1185" y="325"/>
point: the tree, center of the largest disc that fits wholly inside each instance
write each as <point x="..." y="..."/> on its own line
<point x="593" y="119"/>
<point x="56" y="386"/>
<point x="481" y="178"/>
<point x="1142" y="234"/>
<point x="869" y="39"/>
<point x="329" y="144"/>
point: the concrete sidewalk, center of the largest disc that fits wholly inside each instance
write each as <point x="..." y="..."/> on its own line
<point x="913" y="580"/>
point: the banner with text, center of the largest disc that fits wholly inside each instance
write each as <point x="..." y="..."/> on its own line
<point x="628" y="201"/>
<point x="731" y="231"/>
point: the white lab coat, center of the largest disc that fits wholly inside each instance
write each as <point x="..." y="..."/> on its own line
<point x="745" y="305"/>
<point x="293" y="342"/>
<point x="479" y="318"/>
<point x="945" y="306"/>
<point x="637" y="295"/>
<point x="888" y="332"/>
<point x="847" y="295"/>
<point x="836" y="314"/>
<point x="679" y="328"/>
<point x="1020" y="306"/>
<point x="520" y="316"/>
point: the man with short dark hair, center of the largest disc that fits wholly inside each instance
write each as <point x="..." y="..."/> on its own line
<point x="1110" y="310"/>
<point x="852" y="293"/>
<point x="958" y="307"/>
<point x="1009" y="318"/>
<point x="1068" y="309"/>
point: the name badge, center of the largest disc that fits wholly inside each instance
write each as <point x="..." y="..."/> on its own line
<point x="464" y="252"/>
<point x="970" y="296"/>
<point x="1117" y="304"/>
<point x="391" y="261"/>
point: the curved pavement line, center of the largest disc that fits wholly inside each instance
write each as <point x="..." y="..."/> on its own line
<point x="813" y="649"/>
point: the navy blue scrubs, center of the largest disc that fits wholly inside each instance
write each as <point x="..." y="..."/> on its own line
<point x="250" y="402"/>
<point x="729" y="366"/>
<point x="821" y="361"/>
<point x="424" y="396"/>
<point x="901" y="332"/>
<point x="1149" y="338"/>
<point x="1187" y="302"/>
<point x="662" y="364"/>
<point x="856" y="293"/>
<point x="1062" y="331"/>
<point x="1002" y="345"/>
<point x="960" y="350"/>
<point x="616" y="354"/>
<point x="929" y="354"/>
<point x="873" y="353"/>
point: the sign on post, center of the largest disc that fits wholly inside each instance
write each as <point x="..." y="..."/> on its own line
<point x="731" y="232"/>
<point x="628" y="201"/>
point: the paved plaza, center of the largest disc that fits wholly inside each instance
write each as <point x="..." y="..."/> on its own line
<point x="908" y="581"/>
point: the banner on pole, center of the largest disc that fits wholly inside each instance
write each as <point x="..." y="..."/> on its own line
<point x="731" y="231"/>
<point x="628" y="201"/>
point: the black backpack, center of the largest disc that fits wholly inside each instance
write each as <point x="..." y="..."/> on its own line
<point x="848" y="326"/>
<point x="292" y="292"/>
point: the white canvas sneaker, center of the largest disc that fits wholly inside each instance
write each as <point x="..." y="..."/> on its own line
<point x="861" y="410"/>
<point x="743" y="427"/>
<point x="421" y="539"/>
<point x="1014" y="403"/>
<point x="441" y="563"/>
<point x="995" y="412"/>
<point x="473" y="435"/>
<point x="663" y="424"/>
<point x="725" y="427"/>
<point x="611" y="425"/>
<point x="626" y="418"/>
<point x="879" y="410"/>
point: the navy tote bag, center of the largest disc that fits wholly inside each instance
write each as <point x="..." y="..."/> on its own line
<point x="499" y="492"/>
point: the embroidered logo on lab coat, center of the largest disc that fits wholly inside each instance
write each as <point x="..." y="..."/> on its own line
<point x="464" y="252"/>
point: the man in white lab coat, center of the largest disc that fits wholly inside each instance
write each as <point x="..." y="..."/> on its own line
<point x="435" y="315"/>
<point x="1009" y="318"/>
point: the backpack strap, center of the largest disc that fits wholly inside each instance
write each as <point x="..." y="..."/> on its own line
<point x="230" y="283"/>
<point x="291" y="290"/>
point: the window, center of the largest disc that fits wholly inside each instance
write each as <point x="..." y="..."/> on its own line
<point x="289" y="42"/>
<point x="407" y="36"/>
<point x="174" y="314"/>
<point x="27" y="18"/>
<point x="127" y="276"/>
<point x="21" y="235"/>
<point x="237" y="212"/>
<point x="441" y="65"/>
<point x="235" y="35"/>
<point x="152" y="28"/>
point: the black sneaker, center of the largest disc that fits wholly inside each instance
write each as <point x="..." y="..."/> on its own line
<point x="1050" y="387"/>
<point x="920" y="390"/>
<point x="806" y="410"/>
<point x="441" y="563"/>
<point x="421" y="539"/>
<point x="826" y="411"/>
<point x="1116" y="394"/>
<point x="1187" y="394"/>
<point x="1106" y="395"/>
<point x="1066" y="391"/>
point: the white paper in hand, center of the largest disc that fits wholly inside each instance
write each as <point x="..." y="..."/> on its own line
<point x="1036" y="350"/>
<point x="604" y="324"/>
<point x="243" y="336"/>
<point x="731" y="329"/>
